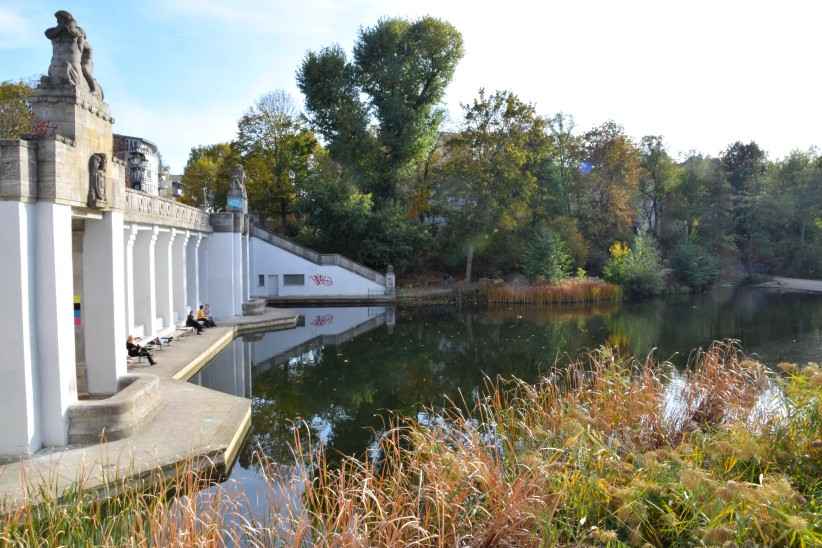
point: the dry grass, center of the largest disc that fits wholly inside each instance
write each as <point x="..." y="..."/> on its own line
<point x="586" y="290"/>
<point x="607" y="451"/>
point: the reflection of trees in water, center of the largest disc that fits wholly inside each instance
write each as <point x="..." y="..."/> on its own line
<point x="429" y="357"/>
<point x="442" y="352"/>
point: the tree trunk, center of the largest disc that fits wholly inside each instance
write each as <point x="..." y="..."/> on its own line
<point x="283" y="215"/>
<point x="469" y="263"/>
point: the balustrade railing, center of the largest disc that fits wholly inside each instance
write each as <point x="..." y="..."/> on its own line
<point x="150" y="209"/>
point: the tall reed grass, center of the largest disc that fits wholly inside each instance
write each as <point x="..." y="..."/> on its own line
<point x="607" y="451"/>
<point x="586" y="290"/>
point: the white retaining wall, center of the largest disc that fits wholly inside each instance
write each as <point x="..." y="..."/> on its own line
<point x="319" y="280"/>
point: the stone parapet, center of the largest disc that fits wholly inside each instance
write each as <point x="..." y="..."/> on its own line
<point x="18" y="170"/>
<point x="149" y="209"/>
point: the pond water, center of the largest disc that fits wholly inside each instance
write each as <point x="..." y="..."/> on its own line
<point x="343" y="369"/>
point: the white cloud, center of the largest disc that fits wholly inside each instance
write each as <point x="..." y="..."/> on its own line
<point x="16" y="32"/>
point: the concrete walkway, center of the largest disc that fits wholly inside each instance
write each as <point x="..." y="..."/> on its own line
<point x="190" y="423"/>
<point x="793" y="284"/>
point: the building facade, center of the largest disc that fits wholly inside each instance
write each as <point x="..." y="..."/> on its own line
<point x="89" y="260"/>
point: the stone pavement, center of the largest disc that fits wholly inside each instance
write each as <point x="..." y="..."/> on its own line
<point x="190" y="423"/>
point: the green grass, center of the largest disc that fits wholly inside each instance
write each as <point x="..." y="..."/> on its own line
<point x="590" y="455"/>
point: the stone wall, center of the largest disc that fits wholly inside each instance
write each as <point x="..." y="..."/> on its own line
<point x="18" y="170"/>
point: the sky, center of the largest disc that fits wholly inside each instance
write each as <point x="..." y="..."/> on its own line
<point x="703" y="74"/>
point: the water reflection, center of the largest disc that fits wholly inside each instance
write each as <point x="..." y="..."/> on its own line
<point x="343" y="369"/>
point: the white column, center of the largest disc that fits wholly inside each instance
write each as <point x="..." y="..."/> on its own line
<point x="104" y="302"/>
<point x="145" y="282"/>
<point x="203" y="272"/>
<point x="180" y="274"/>
<point x="193" y="270"/>
<point x="19" y="382"/>
<point x="246" y="269"/>
<point x="130" y="238"/>
<point x="165" y="280"/>
<point x="55" y="320"/>
<point x="225" y="274"/>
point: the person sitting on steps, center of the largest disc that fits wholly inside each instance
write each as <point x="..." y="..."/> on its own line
<point x="191" y="322"/>
<point x="136" y="351"/>
<point x="203" y="319"/>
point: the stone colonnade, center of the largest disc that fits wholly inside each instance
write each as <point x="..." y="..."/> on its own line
<point x="165" y="276"/>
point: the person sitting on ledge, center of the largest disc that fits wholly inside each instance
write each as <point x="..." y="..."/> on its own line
<point x="191" y="322"/>
<point x="208" y="316"/>
<point x="203" y="319"/>
<point x="135" y="350"/>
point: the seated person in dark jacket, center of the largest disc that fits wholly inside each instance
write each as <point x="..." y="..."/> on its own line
<point x="135" y="350"/>
<point x="191" y="322"/>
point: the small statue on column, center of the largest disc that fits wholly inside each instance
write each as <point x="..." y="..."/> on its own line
<point x="237" y="196"/>
<point x="97" y="180"/>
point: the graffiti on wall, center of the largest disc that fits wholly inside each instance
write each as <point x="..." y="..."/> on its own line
<point x="319" y="321"/>
<point x="322" y="280"/>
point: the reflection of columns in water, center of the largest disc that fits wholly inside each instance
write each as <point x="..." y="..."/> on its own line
<point x="390" y="318"/>
<point x="230" y="370"/>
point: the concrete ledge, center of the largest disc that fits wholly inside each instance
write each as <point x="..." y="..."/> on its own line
<point x="254" y="307"/>
<point x="115" y="417"/>
<point x="187" y="425"/>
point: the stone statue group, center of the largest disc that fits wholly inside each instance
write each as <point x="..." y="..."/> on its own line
<point x="71" y="61"/>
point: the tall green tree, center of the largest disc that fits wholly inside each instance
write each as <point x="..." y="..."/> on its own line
<point x="277" y="151"/>
<point x="207" y="175"/>
<point x="658" y="175"/>
<point x="487" y="182"/>
<point x="744" y="166"/>
<point x="379" y="112"/>
<point x="606" y="189"/>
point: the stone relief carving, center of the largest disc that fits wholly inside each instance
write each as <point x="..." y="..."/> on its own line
<point x="71" y="58"/>
<point x="97" y="180"/>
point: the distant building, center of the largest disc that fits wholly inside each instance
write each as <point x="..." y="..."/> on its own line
<point x="171" y="186"/>
<point x="142" y="160"/>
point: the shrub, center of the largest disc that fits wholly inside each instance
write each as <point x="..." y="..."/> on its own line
<point x="546" y="256"/>
<point x="579" y="290"/>
<point x="694" y="267"/>
<point x="638" y="269"/>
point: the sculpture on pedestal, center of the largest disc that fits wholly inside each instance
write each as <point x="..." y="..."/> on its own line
<point x="237" y="196"/>
<point x="97" y="180"/>
<point x="71" y="58"/>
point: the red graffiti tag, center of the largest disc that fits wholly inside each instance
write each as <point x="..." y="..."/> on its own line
<point x="320" y="279"/>
<point x="320" y="321"/>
